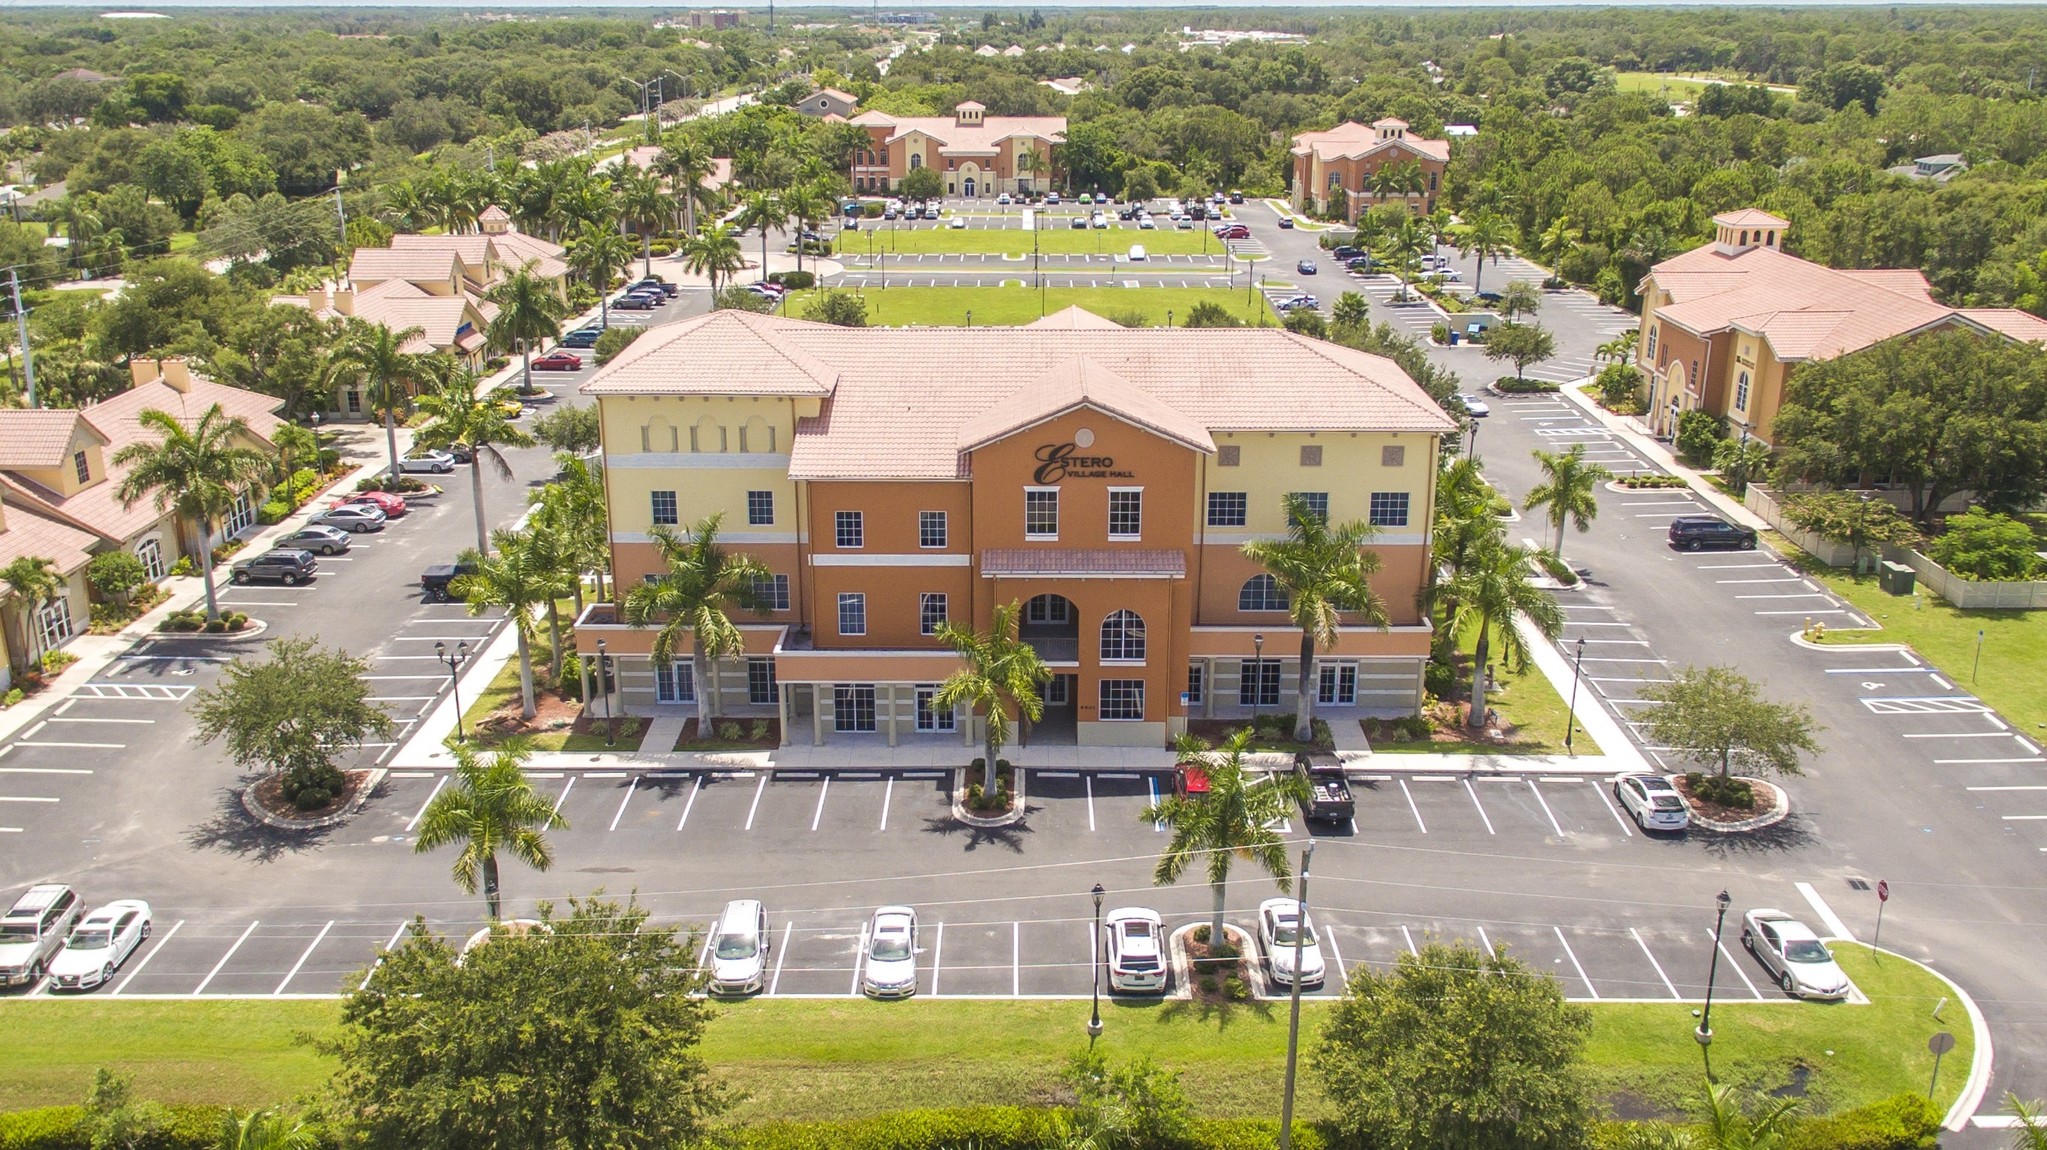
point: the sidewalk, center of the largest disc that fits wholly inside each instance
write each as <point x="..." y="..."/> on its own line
<point x="1630" y="429"/>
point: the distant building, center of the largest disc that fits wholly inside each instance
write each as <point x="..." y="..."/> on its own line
<point x="829" y="102"/>
<point x="714" y="20"/>
<point x="1222" y="37"/>
<point x="1337" y="166"/>
<point x="987" y="50"/>
<point x="978" y="154"/>
<point x="1454" y="131"/>
<point x="909" y="18"/>
<point x="1940" y="169"/>
<point x="1068" y="86"/>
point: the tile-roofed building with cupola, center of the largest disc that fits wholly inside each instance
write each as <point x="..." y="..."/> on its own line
<point x="978" y="154"/>
<point x="1336" y="170"/>
<point x="1103" y="478"/>
<point x="1726" y="324"/>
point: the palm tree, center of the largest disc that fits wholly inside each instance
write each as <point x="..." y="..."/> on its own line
<point x="1487" y="235"/>
<point x="808" y="205"/>
<point x="518" y="579"/>
<point x="1556" y="243"/>
<point x="199" y="471"/>
<point x="1489" y="592"/>
<point x="1621" y="348"/>
<point x="289" y="438"/>
<point x="1351" y="311"/>
<point x="530" y="309"/>
<point x="1408" y="240"/>
<point x="1440" y="224"/>
<point x="698" y="586"/>
<point x="459" y="415"/>
<point x="686" y="161"/>
<point x="1465" y="522"/>
<point x="572" y="507"/>
<point x="550" y="546"/>
<point x="35" y="581"/>
<point x="2031" y="1131"/>
<point x="998" y="672"/>
<point x="263" y="1130"/>
<point x="763" y="210"/>
<point x="598" y="254"/>
<point x="489" y="806"/>
<point x="1730" y="1126"/>
<point x="1326" y="572"/>
<point x="714" y="253"/>
<point x="1568" y="489"/>
<point x="1233" y="820"/>
<point x="643" y="202"/>
<point x="378" y="355"/>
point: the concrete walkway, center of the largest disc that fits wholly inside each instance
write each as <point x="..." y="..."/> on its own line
<point x="1631" y="430"/>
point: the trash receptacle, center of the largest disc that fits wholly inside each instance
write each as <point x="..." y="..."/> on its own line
<point x="1453" y="339"/>
<point x="1896" y="578"/>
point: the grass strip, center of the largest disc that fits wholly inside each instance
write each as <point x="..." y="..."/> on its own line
<point x="1015" y="306"/>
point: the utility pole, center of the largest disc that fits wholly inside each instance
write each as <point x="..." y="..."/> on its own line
<point x="28" y="363"/>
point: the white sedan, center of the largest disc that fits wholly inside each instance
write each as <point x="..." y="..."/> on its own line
<point x="99" y="944"/>
<point x="1279" y="927"/>
<point x="891" y="967"/>
<point x="1137" y="951"/>
<point x="1474" y="406"/>
<point x="1793" y="955"/>
<point x="1652" y="802"/>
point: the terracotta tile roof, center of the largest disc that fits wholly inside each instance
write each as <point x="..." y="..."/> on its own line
<point x="900" y="397"/>
<point x="1750" y="218"/>
<point x="1072" y="383"/>
<point x="1083" y="562"/>
<point x="30" y="532"/>
<point x="397" y="305"/>
<point x="493" y="214"/>
<point x="474" y="249"/>
<point x="1074" y="317"/>
<point x="842" y="97"/>
<point x="35" y="438"/>
<point x="517" y="249"/>
<point x="1352" y="140"/>
<point x="2008" y="321"/>
<point x="374" y="265"/>
<point x="1904" y="281"/>
<point x="955" y="136"/>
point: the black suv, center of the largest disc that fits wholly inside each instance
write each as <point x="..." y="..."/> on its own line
<point x="284" y="565"/>
<point x="1699" y="532"/>
<point x="435" y="581"/>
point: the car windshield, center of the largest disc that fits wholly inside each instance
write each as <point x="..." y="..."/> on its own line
<point x="17" y="932"/>
<point x="1283" y="933"/>
<point x="891" y="947"/>
<point x="90" y="938"/>
<point x="1805" y="950"/>
<point x="738" y="946"/>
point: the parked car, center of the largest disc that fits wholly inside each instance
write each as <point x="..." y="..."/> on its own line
<point x="99" y="944"/>
<point x="1362" y="264"/>
<point x="1652" y="802"/>
<point x="891" y="967"/>
<point x="1286" y="222"/>
<point x="1305" y="267"/>
<point x="1293" y="302"/>
<point x="1346" y="252"/>
<point x="1137" y="253"/>
<point x="1233" y="232"/>
<point x="1098" y="220"/>
<point x="434" y="581"/>
<point x="1474" y="406"/>
<point x="739" y="949"/>
<point x="317" y="537"/>
<point x="1077" y="223"/>
<point x="558" y="361"/>
<point x="1329" y="798"/>
<point x="958" y="222"/>
<point x="1136" y="947"/>
<point x="1052" y="199"/>
<point x="429" y="462"/>
<point x="1145" y="223"/>
<point x="1488" y="297"/>
<point x="582" y="337"/>
<point x="1279" y="924"/>
<point x="279" y="565"/>
<point x="1236" y="197"/>
<point x="1793" y="954"/>
<point x="1003" y="199"/>
<point x="359" y="518"/>
<point x="634" y="303"/>
<point x="32" y="930"/>
<point x="392" y="505"/>
<point x="1701" y="532"/>
<point x="1185" y="223"/>
<point x="656" y="283"/>
<point x="1190" y="780"/>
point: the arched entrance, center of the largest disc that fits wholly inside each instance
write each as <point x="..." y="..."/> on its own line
<point x="1051" y="624"/>
<point x="970" y="180"/>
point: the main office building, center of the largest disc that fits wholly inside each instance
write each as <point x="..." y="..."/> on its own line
<point x="1103" y="479"/>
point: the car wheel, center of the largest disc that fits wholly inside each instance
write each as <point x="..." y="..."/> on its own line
<point x="1691" y="545"/>
<point x="241" y="577"/>
<point x="145" y="928"/>
<point x="106" y="974"/>
<point x="1748" y="940"/>
<point x="1639" y="824"/>
<point x="440" y="596"/>
<point x="1748" y="545"/>
<point x="288" y="579"/>
<point x="1788" y="983"/>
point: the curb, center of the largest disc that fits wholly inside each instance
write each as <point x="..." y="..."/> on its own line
<point x="254" y="630"/>
<point x="959" y="808"/>
<point x="373" y="780"/>
<point x="1798" y="639"/>
<point x="1777" y="814"/>
<point x="1183" y="966"/>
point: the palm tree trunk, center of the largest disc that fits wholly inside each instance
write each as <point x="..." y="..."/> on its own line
<point x="989" y="778"/>
<point x="490" y="885"/>
<point x="391" y="436"/>
<point x="646" y="254"/>
<point x="1476" y="716"/>
<point x="526" y="377"/>
<point x="1304" y="711"/>
<point x="554" y="636"/>
<point x="476" y="494"/>
<point x="1216" y="936"/>
<point x="698" y="666"/>
<point x="527" y="709"/>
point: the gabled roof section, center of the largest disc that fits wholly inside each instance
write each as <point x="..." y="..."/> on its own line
<point x="1750" y="218"/>
<point x="727" y="352"/>
<point x="32" y="533"/>
<point x="373" y="265"/>
<point x="1075" y="383"/>
<point x="1806" y="310"/>
<point x="36" y="438"/>
<point x="1075" y="318"/>
<point x="2008" y="321"/>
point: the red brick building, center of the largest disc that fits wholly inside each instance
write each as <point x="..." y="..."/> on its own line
<point x="978" y="154"/>
<point x="1339" y="166"/>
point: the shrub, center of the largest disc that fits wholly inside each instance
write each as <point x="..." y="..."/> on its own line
<point x="661" y="247"/>
<point x="1440" y="333"/>
<point x="613" y="341"/>
<point x="13" y="696"/>
<point x="1698" y="436"/>
<point x="985" y="1128"/>
<point x="1616" y="385"/>
<point x="1638" y="482"/>
<point x="794" y="280"/>
<point x="1208" y="313"/>
<point x="1727" y="792"/>
<point x="1556" y="569"/>
<point x="838" y="308"/>
<point x="116" y="574"/>
<point x="184" y="566"/>
<point x="1303" y="321"/>
<point x="1902" y="1122"/>
<point x="1509" y="385"/>
<point x="216" y="626"/>
<point x="272" y="512"/>
<point x="54" y="662"/>
<point x="46" y="1128"/>
<point x="729" y="732"/>
<point x="1235" y="990"/>
<point x="759" y="730"/>
<point x="1987" y="547"/>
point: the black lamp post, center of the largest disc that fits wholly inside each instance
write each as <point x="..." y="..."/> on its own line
<point x="604" y="687"/>
<point x="1571" y="723"/>
<point x="454" y="659"/>
<point x="1094" y="1018"/>
<point x="1705" y="1031"/>
<point x="1258" y="673"/>
<point x="1471" y="446"/>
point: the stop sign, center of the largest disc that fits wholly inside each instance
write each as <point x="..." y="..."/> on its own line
<point x="1883" y="891"/>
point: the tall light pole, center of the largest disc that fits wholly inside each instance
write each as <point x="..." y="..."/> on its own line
<point x="604" y="687"/>
<point x="1571" y="723"/>
<point x="454" y="659"/>
<point x="1293" y="1022"/>
<point x="1705" y="1031"/>
<point x="1258" y="671"/>
<point x="1094" y="1019"/>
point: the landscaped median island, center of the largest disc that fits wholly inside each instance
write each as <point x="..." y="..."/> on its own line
<point x="1019" y="304"/>
<point x="1059" y="240"/>
<point x="811" y="1060"/>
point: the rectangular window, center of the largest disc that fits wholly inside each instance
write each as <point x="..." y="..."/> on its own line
<point x="851" y="529"/>
<point x="664" y="508"/>
<point x="852" y="613"/>
<point x="1389" y="509"/>
<point x="930" y="612"/>
<point x="1048" y="609"/>
<point x="1041" y="513"/>
<point x="1339" y="684"/>
<point x="773" y="592"/>
<point x="1318" y="503"/>
<point x="1228" y="508"/>
<point x="1055" y="691"/>
<point x="1122" y="700"/>
<point x="1229" y="456"/>
<point x="1651" y="355"/>
<point x="760" y="682"/>
<point x="1126" y="512"/>
<point x="1741" y="392"/>
<point x="353" y="399"/>
<point x="1311" y="455"/>
<point x="1392" y="456"/>
<point x="853" y="707"/>
<point x="760" y="509"/>
<point x="1258" y="683"/>
<point x="53" y="624"/>
<point x="84" y="469"/>
<point x="675" y="683"/>
<point x="931" y="716"/>
<point x="931" y="529"/>
<point x="1195" y="683"/>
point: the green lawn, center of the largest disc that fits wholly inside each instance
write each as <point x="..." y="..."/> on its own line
<point x="2013" y="678"/>
<point x="181" y="241"/>
<point x="1062" y="240"/>
<point x="1660" y="82"/>
<point x="503" y="691"/>
<point x="1018" y="305"/>
<point x="816" y="1059"/>
<point x="1527" y="703"/>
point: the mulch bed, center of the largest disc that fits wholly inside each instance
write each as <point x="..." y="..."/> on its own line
<point x="745" y="741"/>
<point x="1766" y="801"/>
<point x="1202" y="964"/>
<point x="1447" y="730"/>
<point x="269" y="794"/>
<point x="551" y="712"/>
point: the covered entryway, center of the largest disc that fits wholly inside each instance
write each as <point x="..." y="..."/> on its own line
<point x="1051" y="625"/>
<point x="1060" y="726"/>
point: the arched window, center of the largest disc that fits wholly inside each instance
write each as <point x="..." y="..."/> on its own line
<point x="916" y="160"/>
<point x="1262" y="593"/>
<point x="1123" y="637"/>
<point x="707" y="436"/>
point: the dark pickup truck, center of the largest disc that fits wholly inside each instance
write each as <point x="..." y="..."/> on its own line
<point x="1328" y="799"/>
<point x="434" y="581"/>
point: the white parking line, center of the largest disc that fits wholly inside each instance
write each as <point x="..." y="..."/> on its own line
<point x="372" y="972"/>
<point x="1573" y="956"/>
<point x="1826" y="913"/>
<point x="937" y="954"/>
<point x="1481" y="809"/>
<point x="1626" y="830"/>
<point x="861" y="953"/>
<point x="1409" y="936"/>
<point x="1650" y="955"/>
<point x="1342" y="975"/>
<point x="1090" y="804"/>
<point x="76" y="746"/>
<point x="756" y="805"/>
<point x="1791" y="595"/>
<point x="1962" y="735"/>
<point x="160" y="940"/>
<point x="822" y="791"/>
<point x="1785" y="579"/>
<point x="1015" y="958"/>
<point x="442" y="782"/>
<point x="887" y="795"/>
<point x="303" y="957"/>
<point x="781" y="954"/>
<point x="2027" y="759"/>
<point x="1545" y="808"/>
<point x="1158" y="826"/>
<point x="630" y="788"/>
<point x="1412" y="807"/>
<point x="45" y="771"/>
<point x="2024" y="818"/>
<point x="56" y="719"/>
<point x="693" y="789"/>
<point x="563" y="797"/>
<point x="1735" y="966"/>
<point x="208" y="980"/>
<point x="16" y="799"/>
<point x="1738" y="566"/>
<point x="2006" y="788"/>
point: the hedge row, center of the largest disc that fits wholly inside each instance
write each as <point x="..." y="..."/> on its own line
<point x="63" y="1128"/>
<point x="984" y="1128"/>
